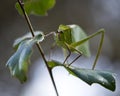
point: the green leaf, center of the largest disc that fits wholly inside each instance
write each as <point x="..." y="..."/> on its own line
<point x="27" y="37"/>
<point x="104" y="78"/>
<point x="19" y="61"/>
<point x="78" y="34"/>
<point x="36" y="7"/>
<point x="53" y="64"/>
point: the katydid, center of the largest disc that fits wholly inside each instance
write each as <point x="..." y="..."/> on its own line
<point x="74" y="39"/>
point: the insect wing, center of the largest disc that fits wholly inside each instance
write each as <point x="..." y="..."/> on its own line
<point x="77" y="35"/>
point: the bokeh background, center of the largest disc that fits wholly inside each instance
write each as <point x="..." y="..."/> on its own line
<point x="91" y="15"/>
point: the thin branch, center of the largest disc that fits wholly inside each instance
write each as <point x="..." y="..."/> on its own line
<point x="38" y="45"/>
<point x="26" y="18"/>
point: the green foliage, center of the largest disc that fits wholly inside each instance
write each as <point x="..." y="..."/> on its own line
<point x="19" y="61"/>
<point x="104" y="78"/>
<point x="69" y="37"/>
<point x="36" y="7"/>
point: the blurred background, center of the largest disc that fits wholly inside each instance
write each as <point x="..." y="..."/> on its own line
<point x="91" y="15"/>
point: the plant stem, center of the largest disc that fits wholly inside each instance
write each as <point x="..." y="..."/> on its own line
<point x="51" y="75"/>
<point x="38" y="45"/>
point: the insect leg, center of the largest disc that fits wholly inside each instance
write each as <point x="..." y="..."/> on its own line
<point x="100" y="44"/>
<point x="53" y="45"/>
<point x="99" y="48"/>
<point x="51" y="33"/>
<point x="69" y="53"/>
<point x="51" y="48"/>
<point x="80" y="54"/>
<point x="75" y="59"/>
<point x="68" y="46"/>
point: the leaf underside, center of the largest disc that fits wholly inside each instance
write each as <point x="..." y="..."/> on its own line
<point x="19" y="61"/>
<point x="104" y="78"/>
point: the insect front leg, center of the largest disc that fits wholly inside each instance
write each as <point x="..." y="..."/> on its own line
<point x="51" y="48"/>
<point x="53" y="45"/>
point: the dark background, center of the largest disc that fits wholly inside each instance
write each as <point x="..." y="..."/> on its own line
<point x="91" y="15"/>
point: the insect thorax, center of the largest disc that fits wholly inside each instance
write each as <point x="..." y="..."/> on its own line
<point x="63" y="37"/>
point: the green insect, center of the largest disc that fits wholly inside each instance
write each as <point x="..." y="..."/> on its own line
<point x="73" y="39"/>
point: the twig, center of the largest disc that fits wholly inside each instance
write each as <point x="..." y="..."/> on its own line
<point x="38" y="45"/>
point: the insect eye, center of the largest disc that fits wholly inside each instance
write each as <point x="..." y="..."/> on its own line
<point x="59" y="34"/>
